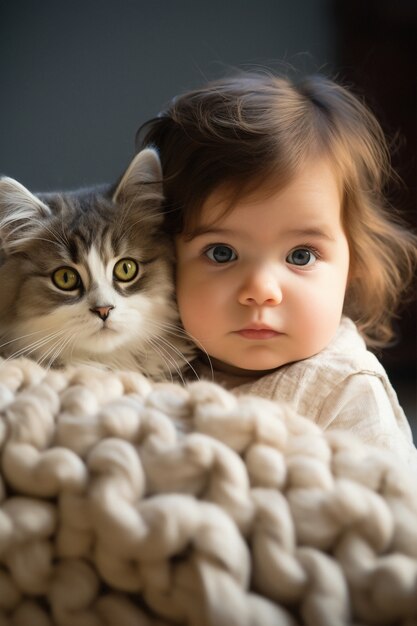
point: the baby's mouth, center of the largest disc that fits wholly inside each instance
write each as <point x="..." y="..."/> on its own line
<point x="258" y="332"/>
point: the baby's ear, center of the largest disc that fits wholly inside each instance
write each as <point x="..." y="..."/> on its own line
<point x="21" y="213"/>
<point x="140" y="189"/>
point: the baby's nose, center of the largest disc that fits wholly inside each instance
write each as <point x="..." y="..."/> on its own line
<point x="261" y="288"/>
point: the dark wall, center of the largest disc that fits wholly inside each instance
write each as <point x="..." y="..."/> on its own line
<point x="78" y="77"/>
<point x="376" y="45"/>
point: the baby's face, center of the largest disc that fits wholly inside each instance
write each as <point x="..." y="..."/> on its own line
<point x="264" y="285"/>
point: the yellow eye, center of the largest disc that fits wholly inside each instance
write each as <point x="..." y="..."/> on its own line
<point x="66" y="278"/>
<point x="125" y="270"/>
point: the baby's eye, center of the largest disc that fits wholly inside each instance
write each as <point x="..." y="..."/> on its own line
<point x="66" y="278"/>
<point x="301" y="257"/>
<point x="221" y="253"/>
<point x="125" y="270"/>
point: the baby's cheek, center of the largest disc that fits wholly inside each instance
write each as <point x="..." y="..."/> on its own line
<point x="200" y="312"/>
<point x="320" y="324"/>
<point x="191" y="305"/>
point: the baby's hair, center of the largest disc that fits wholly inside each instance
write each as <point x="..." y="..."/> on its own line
<point x="256" y="130"/>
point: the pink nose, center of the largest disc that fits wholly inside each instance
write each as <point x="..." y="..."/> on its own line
<point x="102" y="311"/>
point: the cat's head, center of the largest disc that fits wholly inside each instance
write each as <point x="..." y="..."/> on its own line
<point x="87" y="276"/>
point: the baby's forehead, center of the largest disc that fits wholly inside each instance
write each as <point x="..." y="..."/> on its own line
<point x="314" y="177"/>
<point x="229" y="197"/>
<point x="311" y="201"/>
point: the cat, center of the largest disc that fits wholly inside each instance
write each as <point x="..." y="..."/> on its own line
<point x="87" y="276"/>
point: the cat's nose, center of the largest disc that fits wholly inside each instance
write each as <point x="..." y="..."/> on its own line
<point x="102" y="311"/>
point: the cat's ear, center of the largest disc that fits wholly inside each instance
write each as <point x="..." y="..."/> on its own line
<point x="140" y="189"/>
<point x="20" y="213"/>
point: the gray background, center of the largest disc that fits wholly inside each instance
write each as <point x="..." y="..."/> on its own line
<point x="78" y="78"/>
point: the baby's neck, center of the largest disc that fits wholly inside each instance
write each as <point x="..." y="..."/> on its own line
<point x="229" y="375"/>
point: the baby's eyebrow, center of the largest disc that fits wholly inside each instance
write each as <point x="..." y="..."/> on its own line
<point x="208" y="230"/>
<point x="319" y="232"/>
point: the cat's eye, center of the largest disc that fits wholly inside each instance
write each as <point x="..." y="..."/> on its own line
<point x="66" y="278"/>
<point x="125" y="270"/>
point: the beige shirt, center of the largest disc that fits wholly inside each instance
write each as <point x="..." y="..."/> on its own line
<point x="342" y="387"/>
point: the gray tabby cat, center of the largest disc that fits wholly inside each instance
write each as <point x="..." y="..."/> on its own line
<point x="86" y="277"/>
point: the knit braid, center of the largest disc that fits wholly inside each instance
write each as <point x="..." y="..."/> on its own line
<point x="135" y="504"/>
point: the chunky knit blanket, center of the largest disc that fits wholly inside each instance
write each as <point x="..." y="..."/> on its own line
<point x="126" y="503"/>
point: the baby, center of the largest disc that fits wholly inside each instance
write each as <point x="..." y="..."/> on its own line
<point x="289" y="261"/>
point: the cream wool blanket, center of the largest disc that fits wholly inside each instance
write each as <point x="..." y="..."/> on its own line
<point x="130" y="504"/>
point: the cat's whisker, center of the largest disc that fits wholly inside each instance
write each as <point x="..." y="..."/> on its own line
<point x="56" y="341"/>
<point x="164" y="354"/>
<point x="71" y="357"/>
<point x="60" y="237"/>
<point x="35" y="345"/>
<point x="200" y="346"/>
<point x="171" y="327"/>
<point x="178" y="331"/>
<point x="35" y="332"/>
<point x="51" y="351"/>
<point x="167" y="358"/>
<point x="180" y="354"/>
<point x="58" y="349"/>
<point x="29" y="350"/>
<point x="170" y="350"/>
<point x="158" y="351"/>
